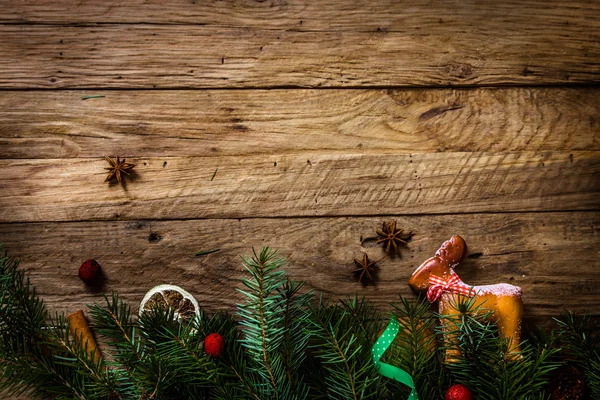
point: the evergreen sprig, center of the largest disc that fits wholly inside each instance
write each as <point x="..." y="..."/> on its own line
<point x="414" y="348"/>
<point x="115" y="324"/>
<point x="235" y="380"/>
<point x="273" y="306"/>
<point x="182" y="369"/>
<point x="72" y="353"/>
<point x="295" y="334"/>
<point x="344" y="351"/>
<point x="23" y="314"/>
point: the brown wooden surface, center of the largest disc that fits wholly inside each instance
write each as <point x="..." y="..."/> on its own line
<point x="305" y="43"/>
<point x="305" y="184"/>
<point x="324" y="119"/>
<point x="216" y="123"/>
<point x="310" y="15"/>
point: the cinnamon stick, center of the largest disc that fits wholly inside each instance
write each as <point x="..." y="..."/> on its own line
<point x="80" y="328"/>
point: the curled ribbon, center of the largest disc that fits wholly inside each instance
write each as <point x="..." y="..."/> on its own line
<point x="387" y="370"/>
<point x="452" y="285"/>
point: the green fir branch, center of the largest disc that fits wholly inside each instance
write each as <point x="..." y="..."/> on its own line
<point x="344" y="354"/>
<point x="156" y="378"/>
<point x="56" y="381"/>
<point x="26" y="363"/>
<point x="593" y="378"/>
<point x="274" y="322"/>
<point x="262" y="320"/>
<point x="235" y="380"/>
<point x="178" y="347"/>
<point x="365" y="316"/>
<point x="295" y="334"/>
<point x="22" y="313"/>
<point x="414" y="348"/>
<point x="73" y="353"/>
<point x="115" y="324"/>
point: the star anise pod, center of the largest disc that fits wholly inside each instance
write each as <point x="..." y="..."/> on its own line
<point x="117" y="168"/>
<point x="365" y="269"/>
<point x="390" y="236"/>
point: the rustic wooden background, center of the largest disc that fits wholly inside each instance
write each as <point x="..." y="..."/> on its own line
<point x="324" y="119"/>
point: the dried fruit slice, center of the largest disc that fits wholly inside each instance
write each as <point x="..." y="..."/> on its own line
<point x="185" y="305"/>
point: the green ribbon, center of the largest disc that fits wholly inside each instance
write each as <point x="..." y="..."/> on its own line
<point x="387" y="370"/>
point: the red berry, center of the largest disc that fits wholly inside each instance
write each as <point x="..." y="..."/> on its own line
<point x="458" y="392"/>
<point x="213" y="345"/>
<point x="89" y="271"/>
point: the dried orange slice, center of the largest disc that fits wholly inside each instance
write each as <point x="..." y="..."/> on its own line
<point x="171" y="296"/>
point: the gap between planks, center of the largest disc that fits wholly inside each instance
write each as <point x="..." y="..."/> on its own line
<point x="300" y="217"/>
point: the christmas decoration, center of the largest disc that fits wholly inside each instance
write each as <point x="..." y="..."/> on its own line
<point x="458" y="392"/>
<point x="365" y="269"/>
<point x="90" y="272"/>
<point x="213" y="345"/>
<point x="390" y="237"/>
<point x="184" y="305"/>
<point x="451" y="285"/>
<point x="437" y="276"/>
<point x="117" y="167"/>
<point x="284" y="342"/>
<point x="387" y="370"/>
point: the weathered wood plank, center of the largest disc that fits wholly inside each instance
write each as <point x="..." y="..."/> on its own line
<point x="58" y="124"/>
<point x="313" y="15"/>
<point x="176" y="56"/>
<point x="301" y="184"/>
<point x="550" y="255"/>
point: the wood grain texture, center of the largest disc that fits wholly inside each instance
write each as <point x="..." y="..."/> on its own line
<point x="192" y="56"/>
<point x="216" y="123"/>
<point x="539" y="252"/>
<point x="304" y="184"/>
<point x="312" y="15"/>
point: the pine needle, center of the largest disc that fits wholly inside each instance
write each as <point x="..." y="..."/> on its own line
<point x="95" y="96"/>
<point x="205" y="252"/>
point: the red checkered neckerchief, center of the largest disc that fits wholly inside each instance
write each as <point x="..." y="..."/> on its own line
<point x="452" y="285"/>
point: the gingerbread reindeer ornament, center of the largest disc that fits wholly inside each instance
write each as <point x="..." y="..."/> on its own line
<point x="436" y="276"/>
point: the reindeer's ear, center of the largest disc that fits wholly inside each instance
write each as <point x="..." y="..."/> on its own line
<point x="453" y="250"/>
